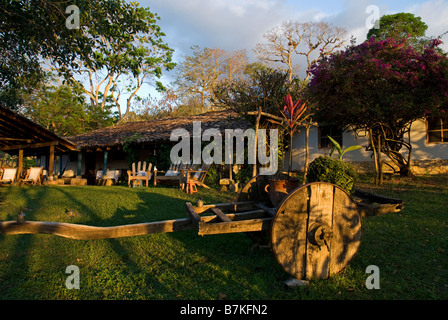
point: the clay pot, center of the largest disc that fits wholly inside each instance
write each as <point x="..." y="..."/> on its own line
<point x="278" y="189"/>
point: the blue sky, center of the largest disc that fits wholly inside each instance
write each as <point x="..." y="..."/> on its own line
<point x="240" y="24"/>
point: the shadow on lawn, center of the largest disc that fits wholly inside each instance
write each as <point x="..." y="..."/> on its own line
<point x="17" y="258"/>
<point x="171" y="264"/>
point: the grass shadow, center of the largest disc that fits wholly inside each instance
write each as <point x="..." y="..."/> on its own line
<point x="16" y="266"/>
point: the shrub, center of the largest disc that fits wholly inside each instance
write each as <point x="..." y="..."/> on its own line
<point x="244" y="175"/>
<point x="212" y="179"/>
<point x="326" y="169"/>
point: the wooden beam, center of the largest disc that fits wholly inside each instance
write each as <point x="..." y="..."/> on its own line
<point x="254" y="113"/>
<point x="221" y="214"/>
<point x="269" y="210"/>
<point x="232" y="206"/>
<point x="16" y="139"/>
<point x="193" y="215"/>
<point x="30" y="146"/>
<point x="83" y="232"/>
<point x="234" y="226"/>
<point x="26" y="125"/>
<point x="253" y="214"/>
<point x="238" y="223"/>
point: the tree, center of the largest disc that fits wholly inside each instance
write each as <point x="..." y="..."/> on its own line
<point x="115" y="37"/>
<point x="399" y="26"/>
<point x="151" y="108"/>
<point x="62" y="109"/>
<point x="310" y="40"/>
<point x="259" y="98"/>
<point x="305" y="39"/>
<point x="30" y="31"/>
<point x="200" y="73"/>
<point x="128" y="52"/>
<point x="380" y="87"/>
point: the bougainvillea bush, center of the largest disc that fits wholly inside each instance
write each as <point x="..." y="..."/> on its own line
<point x="381" y="87"/>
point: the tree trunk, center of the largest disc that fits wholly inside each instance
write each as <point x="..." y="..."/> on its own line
<point x="380" y="162"/>
<point x="307" y="151"/>
<point x="291" y="135"/>
<point x="375" y="156"/>
<point x="257" y="125"/>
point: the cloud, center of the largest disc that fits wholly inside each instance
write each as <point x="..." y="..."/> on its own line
<point x="355" y="17"/>
<point x="227" y="24"/>
<point x="434" y="14"/>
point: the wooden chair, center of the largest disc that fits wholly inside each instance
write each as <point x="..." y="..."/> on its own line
<point x="33" y="176"/>
<point x="191" y="187"/>
<point x="111" y="175"/>
<point x="176" y="174"/>
<point x="8" y="176"/>
<point x="198" y="176"/>
<point x="137" y="176"/>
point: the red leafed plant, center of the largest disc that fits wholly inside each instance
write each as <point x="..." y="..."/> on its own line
<point x="293" y="113"/>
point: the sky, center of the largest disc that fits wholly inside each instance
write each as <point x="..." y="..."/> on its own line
<point x="240" y="24"/>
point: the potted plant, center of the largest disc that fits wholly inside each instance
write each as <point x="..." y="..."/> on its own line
<point x="293" y="115"/>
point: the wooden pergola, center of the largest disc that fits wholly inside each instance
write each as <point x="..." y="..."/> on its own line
<point x="23" y="137"/>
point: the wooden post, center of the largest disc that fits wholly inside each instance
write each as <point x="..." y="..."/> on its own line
<point x="19" y="164"/>
<point x="51" y="164"/>
<point x="105" y="164"/>
<point x="79" y="164"/>
<point x="60" y="166"/>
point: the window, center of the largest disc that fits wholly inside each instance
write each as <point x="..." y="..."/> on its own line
<point x="333" y="132"/>
<point x="437" y="130"/>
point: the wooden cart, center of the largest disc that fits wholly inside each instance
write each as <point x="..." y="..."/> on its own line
<point x="314" y="232"/>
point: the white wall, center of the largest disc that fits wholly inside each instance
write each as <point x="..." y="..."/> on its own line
<point x="421" y="150"/>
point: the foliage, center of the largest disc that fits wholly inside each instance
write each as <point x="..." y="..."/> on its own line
<point x="243" y="175"/>
<point x="132" y="149"/>
<point x="338" y="148"/>
<point x="379" y="81"/>
<point x="118" y="38"/>
<point x="212" y="177"/>
<point x="398" y="26"/>
<point x="326" y="169"/>
<point x="265" y="88"/>
<point x="258" y="97"/>
<point x="292" y="112"/>
<point x="31" y="31"/>
<point x="380" y="87"/>
<point x="128" y="52"/>
<point x="62" y="109"/>
<point x="161" y="159"/>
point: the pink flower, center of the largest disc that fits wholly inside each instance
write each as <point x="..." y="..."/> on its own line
<point x="435" y="42"/>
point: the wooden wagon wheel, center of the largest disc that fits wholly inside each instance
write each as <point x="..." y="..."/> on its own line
<point x="316" y="231"/>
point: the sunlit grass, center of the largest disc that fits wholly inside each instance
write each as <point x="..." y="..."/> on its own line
<point x="410" y="248"/>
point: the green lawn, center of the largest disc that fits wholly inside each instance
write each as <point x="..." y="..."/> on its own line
<point x="410" y="249"/>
